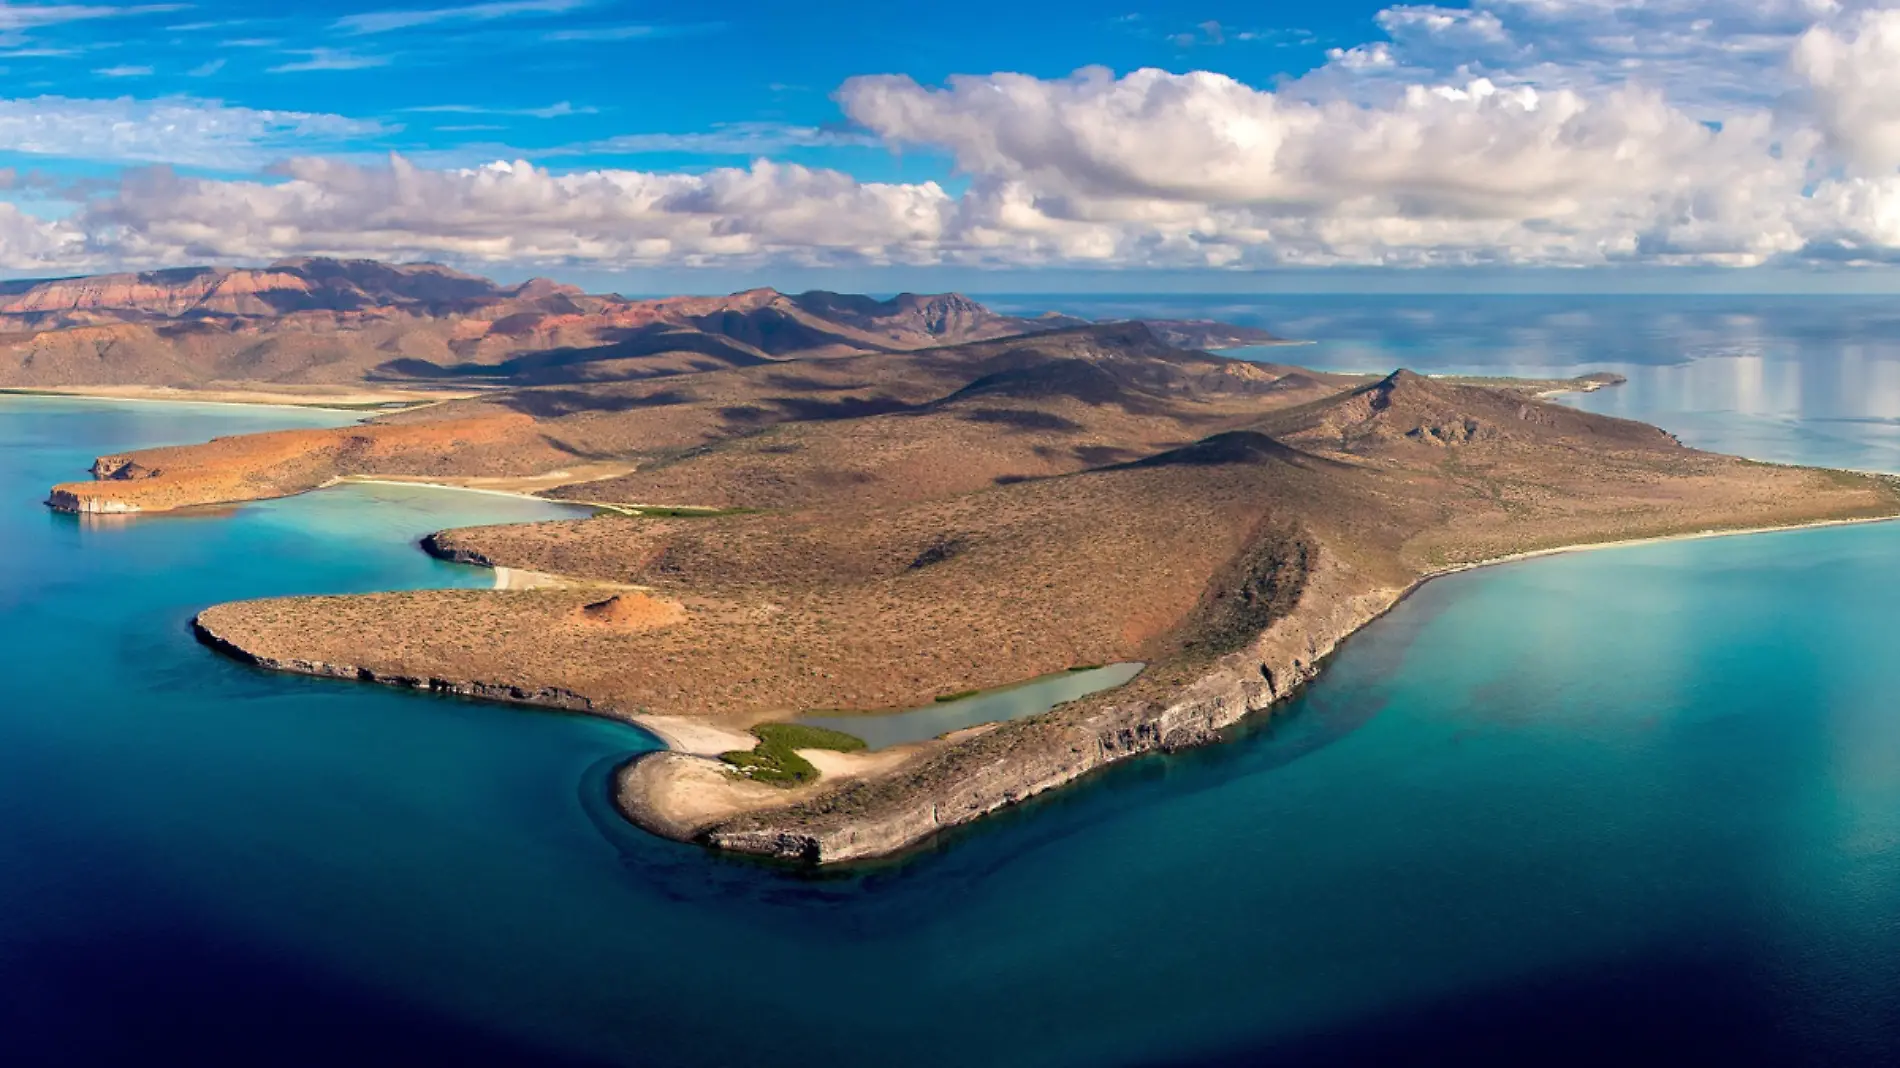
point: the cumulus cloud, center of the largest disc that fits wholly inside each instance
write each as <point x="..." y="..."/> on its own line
<point x="1704" y="54"/>
<point x="30" y="244"/>
<point x="1854" y="84"/>
<point x="1206" y="137"/>
<point x="1499" y="133"/>
<point x="1202" y="168"/>
<point x="516" y="212"/>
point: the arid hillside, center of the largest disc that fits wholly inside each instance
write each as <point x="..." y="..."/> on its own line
<point x="882" y="428"/>
<point x="333" y="322"/>
<point x="835" y="596"/>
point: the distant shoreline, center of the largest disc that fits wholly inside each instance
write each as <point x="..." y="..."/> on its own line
<point x="1660" y="539"/>
<point x="360" y="402"/>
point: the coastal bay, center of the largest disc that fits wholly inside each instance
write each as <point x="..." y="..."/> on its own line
<point x="1465" y="785"/>
<point x="1478" y="708"/>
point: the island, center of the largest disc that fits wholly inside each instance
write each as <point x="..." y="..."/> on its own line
<point x="850" y="527"/>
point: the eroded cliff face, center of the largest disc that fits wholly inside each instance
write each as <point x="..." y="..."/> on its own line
<point x="282" y="463"/>
<point x="63" y="499"/>
<point x="1022" y="759"/>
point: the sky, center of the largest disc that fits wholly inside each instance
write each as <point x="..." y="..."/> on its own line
<point x="1184" y="146"/>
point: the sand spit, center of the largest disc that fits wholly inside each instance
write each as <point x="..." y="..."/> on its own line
<point x="329" y="398"/>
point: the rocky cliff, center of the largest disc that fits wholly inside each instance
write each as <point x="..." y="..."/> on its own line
<point x="205" y="628"/>
<point x="1022" y="759"/>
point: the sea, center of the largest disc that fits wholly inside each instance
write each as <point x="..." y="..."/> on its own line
<point x="1624" y="806"/>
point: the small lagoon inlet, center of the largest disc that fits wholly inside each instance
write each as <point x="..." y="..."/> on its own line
<point x="881" y="730"/>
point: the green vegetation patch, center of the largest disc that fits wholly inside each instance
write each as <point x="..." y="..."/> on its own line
<point x="776" y="760"/>
<point x="958" y="696"/>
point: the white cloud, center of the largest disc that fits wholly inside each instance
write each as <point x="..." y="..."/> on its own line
<point x="180" y="130"/>
<point x="329" y="59"/>
<point x="14" y="17"/>
<point x="1854" y="81"/>
<point x="124" y="70"/>
<point x="29" y="243"/>
<point x="386" y="21"/>
<point x="1204" y="137"/>
<point x="1362" y="57"/>
<point x="515" y="212"/>
<point x="727" y="139"/>
<point x="1502" y="133"/>
<point x="559" y="110"/>
<point x="634" y="32"/>
<point x="1704" y="54"/>
<point x="1159" y="168"/>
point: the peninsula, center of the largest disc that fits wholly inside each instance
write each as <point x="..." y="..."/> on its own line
<point x="916" y="512"/>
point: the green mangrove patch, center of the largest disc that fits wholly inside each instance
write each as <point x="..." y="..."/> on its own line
<point x="775" y="759"/>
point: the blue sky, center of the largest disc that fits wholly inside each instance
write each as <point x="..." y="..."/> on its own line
<point x="1197" y="145"/>
<point x="679" y="86"/>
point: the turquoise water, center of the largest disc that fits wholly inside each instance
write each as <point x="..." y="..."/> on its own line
<point x="1030" y="698"/>
<point x="1641" y="802"/>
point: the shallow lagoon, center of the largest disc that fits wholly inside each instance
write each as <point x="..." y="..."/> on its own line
<point x="882" y="730"/>
<point x="1626" y="801"/>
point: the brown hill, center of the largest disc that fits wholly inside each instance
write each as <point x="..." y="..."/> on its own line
<point x="326" y="321"/>
<point x="883" y="428"/>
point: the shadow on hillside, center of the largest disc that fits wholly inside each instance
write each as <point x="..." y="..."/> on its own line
<point x="554" y="403"/>
<point x="617" y="360"/>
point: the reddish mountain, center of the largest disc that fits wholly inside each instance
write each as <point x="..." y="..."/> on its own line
<point x="349" y="321"/>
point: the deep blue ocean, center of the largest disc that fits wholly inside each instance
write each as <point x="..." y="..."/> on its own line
<point x="1632" y="805"/>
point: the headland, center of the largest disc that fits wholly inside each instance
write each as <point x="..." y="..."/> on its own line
<point x="848" y="530"/>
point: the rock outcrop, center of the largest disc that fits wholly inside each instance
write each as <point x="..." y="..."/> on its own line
<point x="205" y="627"/>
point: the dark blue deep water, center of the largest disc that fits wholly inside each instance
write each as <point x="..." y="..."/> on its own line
<point x="1641" y="803"/>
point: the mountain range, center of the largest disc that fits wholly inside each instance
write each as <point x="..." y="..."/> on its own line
<point x="335" y="322"/>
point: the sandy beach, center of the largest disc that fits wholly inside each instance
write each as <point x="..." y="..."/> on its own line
<point x="326" y="397"/>
<point x="1658" y="540"/>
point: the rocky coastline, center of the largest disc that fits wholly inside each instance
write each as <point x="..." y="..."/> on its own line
<point x="541" y="697"/>
<point x="964" y="777"/>
<point x="1021" y="759"/>
<point x="955" y="780"/>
